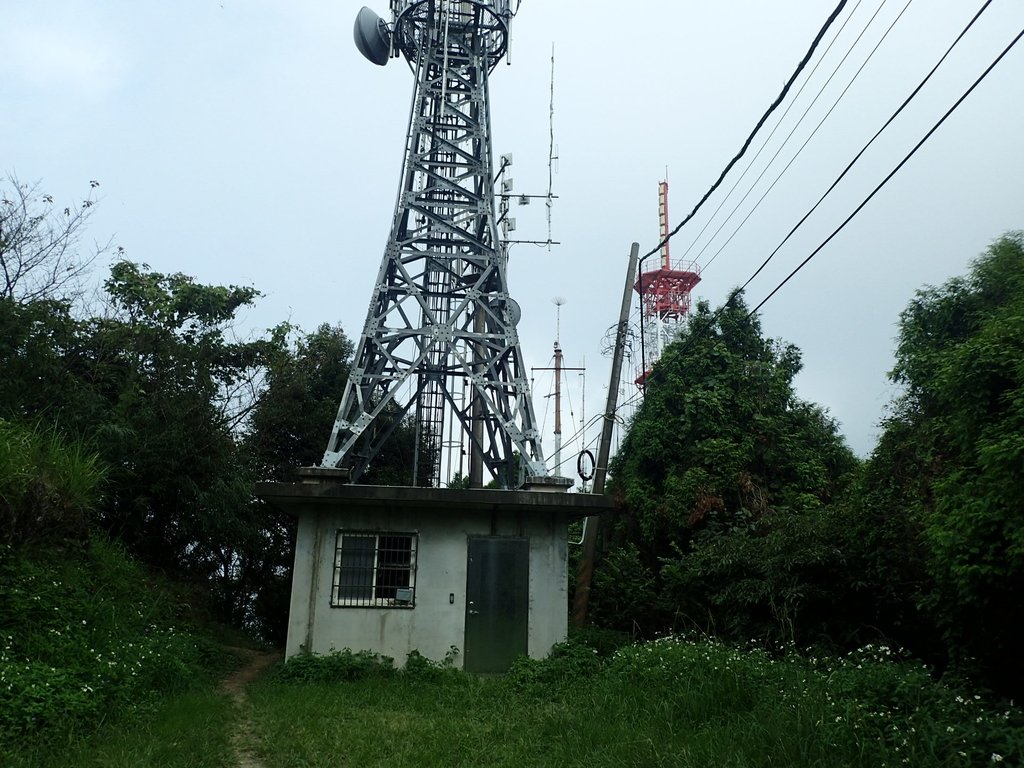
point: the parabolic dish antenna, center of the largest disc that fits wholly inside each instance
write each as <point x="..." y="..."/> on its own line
<point x="515" y="313"/>
<point x="372" y="36"/>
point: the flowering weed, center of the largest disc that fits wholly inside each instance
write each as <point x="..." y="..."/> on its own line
<point x="676" y="701"/>
<point x="85" y="638"/>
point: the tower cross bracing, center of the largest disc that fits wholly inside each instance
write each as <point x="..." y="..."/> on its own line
<point x="664" y="295"/>
<point x="439" y="343"/>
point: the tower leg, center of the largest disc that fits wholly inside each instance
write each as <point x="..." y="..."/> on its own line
<point x="440" y="315"/>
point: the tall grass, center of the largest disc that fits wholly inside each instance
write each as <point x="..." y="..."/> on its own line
<point x="188" y="730"/>
<point x="674" y="702"/>
<point x="48" y="484"/>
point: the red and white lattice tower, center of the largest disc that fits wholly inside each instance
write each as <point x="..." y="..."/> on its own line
<point x="664" y="295"/>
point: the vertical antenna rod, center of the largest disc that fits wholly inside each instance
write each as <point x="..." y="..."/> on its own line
<point x="666" y="262"/>
<point x="552" y="153"/>
<point x="556" y="463"/>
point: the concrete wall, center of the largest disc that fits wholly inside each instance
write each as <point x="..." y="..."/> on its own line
<point x="435" y="624"/>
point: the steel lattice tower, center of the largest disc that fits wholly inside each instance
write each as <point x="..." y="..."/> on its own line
<point x="664" y="295"/>
<point x="440" y="341"/>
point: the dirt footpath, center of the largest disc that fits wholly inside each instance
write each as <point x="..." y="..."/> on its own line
<point x="256" y="663"/>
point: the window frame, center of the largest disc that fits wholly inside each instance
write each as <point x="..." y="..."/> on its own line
<point x="374" y="585"/>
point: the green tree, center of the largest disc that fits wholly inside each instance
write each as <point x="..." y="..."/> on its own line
<point x="293" y="415"/>
<point x="304" y="377"/>
<point x="883" y="532"/>
<point x="44" y="354"/>
<point x="299" y="400"/>
<point x="393" y="464"/>
<point x="722" y="465"/>
<point x="303" y="382"/>
<point x="158" y="389"/>
<point x="169" y="377"/>
<point x="960" y="423"/>
<point x="40" y="244"/>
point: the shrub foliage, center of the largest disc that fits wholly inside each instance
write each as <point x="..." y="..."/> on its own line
<point x="86" y="636"/>
<point x="49" y="485"/>
<point x="725" y="478"/>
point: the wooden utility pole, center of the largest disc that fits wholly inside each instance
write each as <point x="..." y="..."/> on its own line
<point x="592" y="524"/>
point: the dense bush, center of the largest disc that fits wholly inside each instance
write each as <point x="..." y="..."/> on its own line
<point x="48" y="485"/>
<point x="959" y="426"/>
<point x="604" y="641"/>
<point x="86" y="636"/>
<point x="336" y="667"/>
<point x="725" y="479"/>
<point x="568" y="662"/>
<point x="743" y="515"/>
<point x="346" y="666"/>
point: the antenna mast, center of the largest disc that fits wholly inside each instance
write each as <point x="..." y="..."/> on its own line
<point x="439" y="344"/>
<point x="559" y="302"/>
<point x="552" y="149"/>
<point x="664" y="295"/>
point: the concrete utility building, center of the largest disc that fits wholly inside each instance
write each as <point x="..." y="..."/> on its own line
<point x="428" y="568"/>
<point x="396" y="569"/>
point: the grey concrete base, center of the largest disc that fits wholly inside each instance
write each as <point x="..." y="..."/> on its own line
<point x="443" y="520"/>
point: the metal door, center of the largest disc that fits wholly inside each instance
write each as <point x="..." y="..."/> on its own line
<point x="497" y="602"/>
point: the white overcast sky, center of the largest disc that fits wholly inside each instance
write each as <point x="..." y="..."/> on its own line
<point x="247" y="142"/>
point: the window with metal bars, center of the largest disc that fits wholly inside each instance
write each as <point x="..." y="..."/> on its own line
<point x="374" y="570"/>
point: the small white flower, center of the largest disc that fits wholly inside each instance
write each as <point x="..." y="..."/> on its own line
<point x="997" y="758"/>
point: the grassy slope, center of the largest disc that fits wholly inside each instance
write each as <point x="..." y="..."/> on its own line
<point x="184" y="730"/>
<point x="670" y="703"/>
<point x="99" y="665"/>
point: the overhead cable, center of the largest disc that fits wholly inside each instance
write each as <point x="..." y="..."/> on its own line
<point x="729" y="301"/>
<point x="894" y="171"/>
<point x="695" y="334"/>
<point x="771" y="135"/>
<point x="860" y="154"/>
<point x="746" y="145"/>
<point x="807" y="141"/>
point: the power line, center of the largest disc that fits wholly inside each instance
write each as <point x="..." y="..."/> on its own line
<point x="697" y="333"/>
<point x="895" y="170"/>
<point x="771" y="135"/>
<point x="746" y="145"/>
<point x="860" y="154"/>
<point x="742" y="151"/>
<point x="813" y="133"/>
<point x="579" y="432"/>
